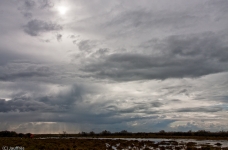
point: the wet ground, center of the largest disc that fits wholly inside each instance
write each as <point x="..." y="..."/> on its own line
<point x="154" y="144"/>
<point x="164" y="144"/>
<point x="111" y="144"/>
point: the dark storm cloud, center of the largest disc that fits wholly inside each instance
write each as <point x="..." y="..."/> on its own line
<point x="36" y="27"/>
<point x="27" y="73"/>
<point x="173" y="57"/>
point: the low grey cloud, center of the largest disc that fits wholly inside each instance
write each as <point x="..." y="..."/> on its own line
<point x="31" y="4"/>
<point x="146" y="108"/>
<point x="66" y="98"/>
<point x="72" y="36"/>
<point x="173" y="57"/>
<point x="100" y="52"/>
<point x="27" y="7"/>
<point x="201" y="109"/>
<point x="24" y="105"/>
<point x="7" y="57"/>
<point x="220" y="6"/>
<point x="74" y="41"/>
<point x="28" y="4"/>
<point x="27" y="73"/>
<point x="36" y="27"/>
<point x="141" y="18"/>
<point x="46" y="3"/>
<point x="27" y="15"/>
<point x="86" y="45"/>
<point x="59" y="37"/>
<point x="157" y="104"/>
<point x="63" y="101"/>
<point x="65" y="106"/>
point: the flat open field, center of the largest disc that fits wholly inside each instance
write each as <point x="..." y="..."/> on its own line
<point x="109" y="144"/>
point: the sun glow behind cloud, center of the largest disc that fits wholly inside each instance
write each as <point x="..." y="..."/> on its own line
<point x="62" y="10"/>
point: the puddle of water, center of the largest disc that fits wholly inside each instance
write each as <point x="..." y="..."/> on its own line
<point x="156" y="140"/>
<point x="183" y="141"/>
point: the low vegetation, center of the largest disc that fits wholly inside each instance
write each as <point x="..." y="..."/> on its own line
<point x="95" y="141"/>
<point x="201" y="135"/>
<point x="101" y="144"/>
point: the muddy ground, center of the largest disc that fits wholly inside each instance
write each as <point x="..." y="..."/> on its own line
<point x="103" y="144"/>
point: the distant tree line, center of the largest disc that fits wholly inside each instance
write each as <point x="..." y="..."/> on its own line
<point x="196" y="133"/>
<point x="125" y="133"/>
<point x="160" y="133"/>
<point x="105" y="133"/>
<point x="14" y="134"/>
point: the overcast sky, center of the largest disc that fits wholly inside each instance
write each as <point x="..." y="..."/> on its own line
<point x="140" y="66"/>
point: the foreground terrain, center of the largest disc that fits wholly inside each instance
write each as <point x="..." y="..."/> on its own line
<point x="107" y="144"/>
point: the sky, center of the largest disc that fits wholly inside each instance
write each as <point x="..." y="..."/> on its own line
<point x="140" y="66"/>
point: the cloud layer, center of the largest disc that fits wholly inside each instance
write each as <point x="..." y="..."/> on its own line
<point x="173" y="57"/>
<point x="35" y="27"/>
<point x="116" y="65"/>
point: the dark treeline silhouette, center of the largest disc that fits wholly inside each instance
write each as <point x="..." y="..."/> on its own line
<point x="160" y="133"/>
<point x="14" y="134"/>
<point x="104" y="133"/>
